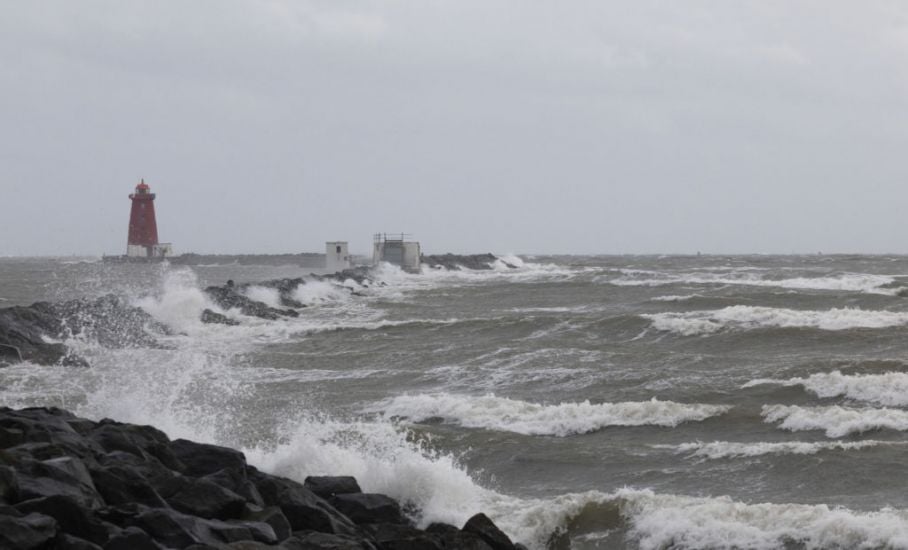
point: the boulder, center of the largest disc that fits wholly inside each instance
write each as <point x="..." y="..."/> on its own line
<point x="212" y="317"/>
<point x="9" y="485"/>
<point x="69" y="542"/>
<point x="71" y="517"/>
<point x="203" y="498"/>
<point x="328" y="486"/>
<point x="235" y="480"/>
<point x="369" y="508"/>
<point x="121" y="485"/>
<point x="481" y="525"/>
<point x="59" y="476"/>
<point x="34" y="531"/>
<point x="28" y="333"/>
<point x="271" y="515"/>
<point x="311" y="540"/>
<point x="303" y="509"/>
<point x="201" y="459"/>
<point x="132" y="538"/>
<point x="227" y="297"/>
<point x="402" y="537"/>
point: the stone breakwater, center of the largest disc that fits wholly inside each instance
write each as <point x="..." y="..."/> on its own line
<point x="36" y="333"/>
<point x="69" y="483"/>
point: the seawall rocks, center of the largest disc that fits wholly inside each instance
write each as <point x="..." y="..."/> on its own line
<point x="69" y="483"/>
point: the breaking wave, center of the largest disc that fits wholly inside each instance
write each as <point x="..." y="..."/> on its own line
<point x="511" y="415"/>
<point x="835" y="421"/>
<point x="731" y="449"/>
<point x="888" y="389"/>
<point x="851" y="282"/>
<point x="694" y="323"/>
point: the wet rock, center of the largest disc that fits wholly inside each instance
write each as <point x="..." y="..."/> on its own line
<point x="392" y="536"/>
<point x="201" y="459"/>
<point x="60" y="476"/>
<point x="69" y="542"/>
<point x="458" y="261"/>
<point x="71" y="517"/>
<point x="369" y="508"/>
<point x="482" y="526"/>
<point x="203" y="498"/>
<point x="31" y="532"/>
<point x="132" y="538"/>
<point x="328" y="486"/>
<point x="108" y="320"/>
<point x="302" y="508"/>
<point x="235" y="480"/>
<point x="260" y="531"/>
<point x="68" y="483"/>
<point x="227" y="297"/>
<point x="324" y="541"/>
<point x="9" y="485"/>
<point x="212" y="317"/>
<point x="271" y="515"/>
<point x="121" y="485"/>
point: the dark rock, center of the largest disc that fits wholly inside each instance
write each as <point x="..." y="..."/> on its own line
<point x="463" y="541"/>
<point x="271" y="515"/>
<point x="9" y="485"/>
<point x="59" y="476"/>
<point x="9" y="354"/>
<point x="328" y="486"/>
<point x="201" y="459"/>
<point x="141" y="441"/>
<point x="304" y="509"/>
<point x="107" y="320"/>
<point x="122" y="485"/>
<point x="10" y="437"/>
<point x="203" y="498"/>
<point x="369" y="508"/>
<point x="235" y="480"/>
<point x="457" y="261"/>
<point x="249" y="545"/>
<point x="69" y="542"/>
<point x="215" y="318"/>
<point x="481" y="525"/>
<point x="227" y="297"/>
<point x="393" y="536"/>
<point x="441" y="528"/>
<point x="34" y="531"/>
<point x="71" y="517"/>
<point x="167" y="527"/>
<point x="131" y="538"/>
<point x="324" y="541"/>
<point x="260" y="531"/>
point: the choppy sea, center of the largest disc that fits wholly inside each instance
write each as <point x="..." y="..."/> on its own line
<point x="583" y="402"/>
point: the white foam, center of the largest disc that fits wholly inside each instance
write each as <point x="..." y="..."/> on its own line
<point x="730" y="449"/>
<point x="889" y="389"/>
<point x="675" y="298"/>
<point x="835" y="421"/>
<point x="511" y="415"/>
<point x="849" y="282"/>
<point x="323" y="292"/>
<point x="179" y="301"/>
<point x="268" y="296"/>
<point x="693" y="323"/>
<point x="661" y="521"/>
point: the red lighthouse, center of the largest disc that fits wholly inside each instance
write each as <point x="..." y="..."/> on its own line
<point x="143" y="228"/>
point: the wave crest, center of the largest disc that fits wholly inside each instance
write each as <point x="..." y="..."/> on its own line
<point x="511" y="415"/>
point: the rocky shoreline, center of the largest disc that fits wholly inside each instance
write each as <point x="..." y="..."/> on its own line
<point x="69" y="483"/>
<point x="36" y="333"/>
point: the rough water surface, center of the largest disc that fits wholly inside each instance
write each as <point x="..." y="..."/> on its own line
<point x="596" y="402"/>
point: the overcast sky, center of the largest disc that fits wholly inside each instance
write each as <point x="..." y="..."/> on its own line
<point x="506" y="126"/>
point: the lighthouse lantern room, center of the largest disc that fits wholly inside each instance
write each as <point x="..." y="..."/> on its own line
<point x="143" y="228"/>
